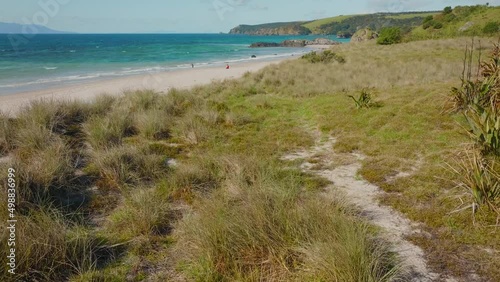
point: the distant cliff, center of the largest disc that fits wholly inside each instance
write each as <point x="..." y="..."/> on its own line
<point x="292" y="28"/>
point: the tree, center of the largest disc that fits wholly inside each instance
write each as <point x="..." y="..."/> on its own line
<point x="447" y="10"/>
<point x="389" y="35"/>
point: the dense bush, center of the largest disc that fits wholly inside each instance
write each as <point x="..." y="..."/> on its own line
<point x="491" y="28"/>
<point x="389" y="35"/>
<point x="324" y="57"/>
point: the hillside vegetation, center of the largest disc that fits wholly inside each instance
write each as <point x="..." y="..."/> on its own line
<point x="294" y="28"/>
<point x="479" y="20"/>
<point x="190" y="185"/>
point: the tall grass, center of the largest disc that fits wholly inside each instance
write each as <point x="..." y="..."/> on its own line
<point x="121" y="167"/>
<point x="49" y="249"/>
<point x="144" y="213"/>
<point x="7" y="131"/>
<point x="479" y="176"/>
<point x="267" y="229"/>
<point x="109" y="130"/>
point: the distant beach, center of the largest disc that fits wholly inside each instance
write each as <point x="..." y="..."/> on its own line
<point x="162" y="81"/>
<point x="54" y="61"/>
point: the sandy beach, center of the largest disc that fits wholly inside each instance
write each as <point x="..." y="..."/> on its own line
<point x="162" y="81"/>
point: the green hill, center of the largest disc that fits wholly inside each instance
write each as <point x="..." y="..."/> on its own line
<point x="315" y="26"/>
<point x="287" y="28"/>
<point x="480" y="20"/>
<point x="344" y="25"/>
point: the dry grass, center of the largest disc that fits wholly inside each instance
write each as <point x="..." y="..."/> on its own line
<point x="262" y="226"/>
<point x="109" y="130"/>
<point x="48" y="249"/>
<point x="144" y="213"/>
<point x="125" y="166"/>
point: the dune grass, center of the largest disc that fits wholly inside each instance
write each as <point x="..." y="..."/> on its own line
<point x="228" y="209"/>
<point x="262" y="225"/>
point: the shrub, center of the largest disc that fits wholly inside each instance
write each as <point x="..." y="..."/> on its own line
<point x="491" y="28"/>
<point x="437" y="25"/>
<point x="389" y="35"/>
<point x="428" y="22"/>
<point x="447" y="10"/>
<point x="326" y="56"/>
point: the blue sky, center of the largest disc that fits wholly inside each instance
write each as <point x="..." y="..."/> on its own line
<point x="192" y="16"/>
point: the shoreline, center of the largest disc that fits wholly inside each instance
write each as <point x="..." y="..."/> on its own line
<point x="161" y="82"/>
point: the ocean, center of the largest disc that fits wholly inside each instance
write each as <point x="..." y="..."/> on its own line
<point x="45" y="61"/>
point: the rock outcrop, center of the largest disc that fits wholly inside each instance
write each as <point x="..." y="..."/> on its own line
<point x="295" y="43"/>
<point x="294" y="28"/>
<point x="364" y="34"/>
<point x="264" y="44"/>
<point x="322" y="41"/>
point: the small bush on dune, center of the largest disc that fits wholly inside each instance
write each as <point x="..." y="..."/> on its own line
<point x="389" y="35"/>
<point x="364" y="100"/>
<point x="326" y="56"/>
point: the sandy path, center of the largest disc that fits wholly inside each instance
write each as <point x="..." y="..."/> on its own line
<point x="364" y="195"/>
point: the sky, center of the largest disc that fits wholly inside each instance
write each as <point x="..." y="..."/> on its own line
<point x="194" y="16"/>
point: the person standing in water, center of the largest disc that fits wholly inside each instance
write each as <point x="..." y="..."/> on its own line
<point x="192" y="66"/>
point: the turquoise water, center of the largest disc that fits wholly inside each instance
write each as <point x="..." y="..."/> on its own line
<point x="45" y="61"/>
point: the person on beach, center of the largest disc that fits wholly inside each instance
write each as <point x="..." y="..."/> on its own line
<point x="192" y="66"/>
<point x="227" y="66"/>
